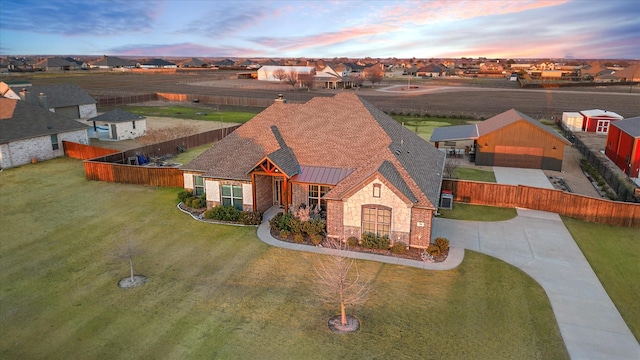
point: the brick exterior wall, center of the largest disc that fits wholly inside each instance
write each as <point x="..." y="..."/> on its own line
<point x="335" y="226"/>
<point x="264" y="192"/>
<point x="421" y="235"/>
<point x="299" y="194"/>
<point x="21" y="152"/>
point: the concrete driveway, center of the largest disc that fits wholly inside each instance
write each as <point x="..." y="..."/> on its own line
<point x="539" y="244"/>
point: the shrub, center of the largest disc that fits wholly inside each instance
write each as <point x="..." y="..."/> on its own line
<point x="196" y="203"/>
<point x="298" y="238"/>
<point x="433" y="250"/>
<point x="398" y="248"/>
<point x="442" y="244"/>
<point x="188" y="201"/>
<point x="373" y="241"/>
<point x="184" y="194"/>
<point x="224" y="213"/>
<point x="295" y="225"/>
<point x="352" y="241"/>
<point x="316" y="239"/>
<point x="285" y="234"/>
<point x="313" y="227"/>
<point x="285" y="221"/>
<point x="274" y="223"/>
<point x="251" y="217"/>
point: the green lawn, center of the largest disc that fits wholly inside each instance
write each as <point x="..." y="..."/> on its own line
<point x="192" y="113"/>
<point x="614" y="255"/>
<point x="424" y="126"/>
<point x="217" y="291"/>
<point x="467" y="173"/>
<point x="462" y="211"/>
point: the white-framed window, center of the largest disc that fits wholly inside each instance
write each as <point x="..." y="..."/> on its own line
<point x="54" y="142"/>
<point x="232" y="196"/>
<point x="376" y="220"/>
<point x="377" y="188"/>
<point x="316" y="192"/>
<point x="198" y="185"/>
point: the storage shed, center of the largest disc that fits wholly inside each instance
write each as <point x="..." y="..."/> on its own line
<point x="119" y="124"/>
<point x="623" y="146"/>
<point x="598" y="120"/>
<point x="572" y="121"/>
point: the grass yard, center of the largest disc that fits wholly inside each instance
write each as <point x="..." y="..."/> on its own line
<point x="614" y="254"/>
<point x="217" y="291"/>
<point x="192" y="113"/>
<point x="473" y="174"/>
<point x="462" y="211"/>
<point x="424" y="126"/>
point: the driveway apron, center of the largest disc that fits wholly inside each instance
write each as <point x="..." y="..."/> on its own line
<point x="539" y="244"/>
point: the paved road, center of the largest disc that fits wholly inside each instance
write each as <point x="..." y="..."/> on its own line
<point x="539" y="244"/>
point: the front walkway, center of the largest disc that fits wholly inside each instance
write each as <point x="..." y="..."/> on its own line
<point x="539" y="244"/>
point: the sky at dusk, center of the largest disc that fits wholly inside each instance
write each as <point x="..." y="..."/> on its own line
<point x="602" y="29"/>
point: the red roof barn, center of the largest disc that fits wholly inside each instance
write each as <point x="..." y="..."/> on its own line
<point x="623" y="145"/>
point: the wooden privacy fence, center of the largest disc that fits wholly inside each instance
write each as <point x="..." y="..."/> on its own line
<point x="572" y="205"/>
<point x="112" y="166"/>
<point x="217" y="100"/>
<point x="83" y="152"/>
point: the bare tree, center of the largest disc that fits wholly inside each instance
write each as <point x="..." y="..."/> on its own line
<point x="306" y="80"/>
<point x="280" y="74"/>
<point x="291" y="78"/>
<point x="374" y="74"/>
<point x="450" y="166"/>
<point x="128" y="251"/>
<point x="357" y="81"/>
<point x="339" y="280"/>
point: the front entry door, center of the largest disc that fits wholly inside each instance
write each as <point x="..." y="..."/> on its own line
<point x="277" y="191"/>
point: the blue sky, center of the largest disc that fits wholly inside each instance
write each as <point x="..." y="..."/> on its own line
<point x="602" y="29"/>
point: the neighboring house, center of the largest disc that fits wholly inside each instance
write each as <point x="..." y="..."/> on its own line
<point x="598" y="120"/>
<point x="193" y="63"/>
<point x="364" y="170"/>
<point x="623" y="146"/>
<point x="30" y="133"/>
<point x="630" y="73"/>
<point x="59" y="64"/>
<point x="158" y="64"/>
<point x="119" y="124"/>
<point x="266" y="73"/>
<point x="430" y="70"/>
<point x="509" y="139"/>
<point x="112" y="62"/>
<point x="69" y="100"/>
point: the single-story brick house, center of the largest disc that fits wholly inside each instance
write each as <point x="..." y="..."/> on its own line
<point x="366" y="171"/>
<point x="623" y="146"/>
<point x="28" y="132"/>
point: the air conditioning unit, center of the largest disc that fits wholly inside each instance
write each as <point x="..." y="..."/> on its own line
<point x="446" y="200"/>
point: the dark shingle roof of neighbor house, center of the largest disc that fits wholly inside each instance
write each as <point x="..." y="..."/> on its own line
<point x="629" y="125"/>
<point x="58" y="95"/>
<point x="113" y="61"/>
<point x="340" y="132"/>
<point x="158" y="62"/>
<point x="117" y="115"/>
<point x="20" y="120"/>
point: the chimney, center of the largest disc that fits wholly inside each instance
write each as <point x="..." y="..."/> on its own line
<point x="42" y="101"/>
<point x="281" y="99"/>
<point x="23" y="95"/>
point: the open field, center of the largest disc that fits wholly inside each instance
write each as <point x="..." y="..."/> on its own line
<point x="216" y="291"/>
<point x="475" y="98"/>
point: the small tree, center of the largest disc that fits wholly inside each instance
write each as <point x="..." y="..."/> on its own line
<point x="128" y="251"/>
<point x="375" y="75"/>
<point x="280" y="74"/>
<point x="357" y="81"/>
<point x="450" y="166"/>
<point x="306" y="80"/>
<point x="291" y="78"/>
<point x="339" y="280"/>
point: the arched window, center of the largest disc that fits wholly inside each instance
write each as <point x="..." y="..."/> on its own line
<point x="376" y="219"/>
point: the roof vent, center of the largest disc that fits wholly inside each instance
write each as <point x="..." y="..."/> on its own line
<point x="281" y="99"/>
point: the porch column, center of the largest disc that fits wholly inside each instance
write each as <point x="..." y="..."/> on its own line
<point x="253" y="191"/>
<point x="284" y="196"/>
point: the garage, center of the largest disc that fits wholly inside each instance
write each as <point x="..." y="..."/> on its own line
<point x="518" y="156"/>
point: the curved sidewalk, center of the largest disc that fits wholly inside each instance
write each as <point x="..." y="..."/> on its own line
<point x="264" y="233"/>
<point x="539" y="244"/>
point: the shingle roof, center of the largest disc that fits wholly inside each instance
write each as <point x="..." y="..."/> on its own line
<point x="117" y="115"/>
<point x="511" y="116"/>
<point x="629" y="125"/>
<point x="343" y="132"/>
<point x="158" y="62"/>
<point x="113" y="61"/>
<point x="58" y="95"/>
<point x="601" y="113"/>
<point x="393" y="176"/>
<point x="21" y="120"/>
